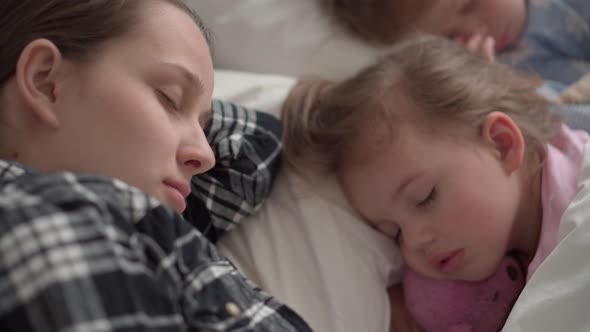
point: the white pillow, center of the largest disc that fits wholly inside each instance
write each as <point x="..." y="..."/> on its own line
<point x="291" y="37"/>
<point x="306" y="246"/>
<point x="261" y="92"/>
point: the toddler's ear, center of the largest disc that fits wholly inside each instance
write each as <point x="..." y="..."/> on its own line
<point x="501" y="133"/>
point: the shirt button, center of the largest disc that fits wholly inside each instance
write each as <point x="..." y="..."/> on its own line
<point x="232" y="309"/>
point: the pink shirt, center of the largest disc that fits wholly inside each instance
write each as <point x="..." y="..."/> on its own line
<point x="559" y="186"/>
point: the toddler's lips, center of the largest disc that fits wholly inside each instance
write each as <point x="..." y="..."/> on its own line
<point x="449" y="262"/>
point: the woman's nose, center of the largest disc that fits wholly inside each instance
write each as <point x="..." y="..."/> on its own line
<point x="196" y="154"/>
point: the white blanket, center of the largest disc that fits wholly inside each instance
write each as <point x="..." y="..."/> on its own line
<point x="557" y="297"/>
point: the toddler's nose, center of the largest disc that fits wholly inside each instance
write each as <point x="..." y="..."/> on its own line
<point x="417" y="237"/>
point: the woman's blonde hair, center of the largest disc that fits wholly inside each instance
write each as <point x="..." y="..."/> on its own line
<point x="452" y="89"/>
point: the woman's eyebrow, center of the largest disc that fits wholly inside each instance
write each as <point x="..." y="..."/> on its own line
<point x="190" y="78"/>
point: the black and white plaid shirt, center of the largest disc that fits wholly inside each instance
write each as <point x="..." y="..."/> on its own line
<point x="88" y="253"/>
<point x="247" y="146"/>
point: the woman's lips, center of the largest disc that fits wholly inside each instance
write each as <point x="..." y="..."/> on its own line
<point x="449" y="262"/>
<point x="176" y="192"/>
<point x="183" y="188"/>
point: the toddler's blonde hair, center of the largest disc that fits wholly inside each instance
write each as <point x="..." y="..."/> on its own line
<point x="452" y="89"/>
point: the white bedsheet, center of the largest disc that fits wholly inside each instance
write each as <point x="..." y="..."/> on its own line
<point x="557" y="297"/>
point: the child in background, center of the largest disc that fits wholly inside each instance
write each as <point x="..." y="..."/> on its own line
<point x="547" y="37"/>
<point x="456" y="158"/>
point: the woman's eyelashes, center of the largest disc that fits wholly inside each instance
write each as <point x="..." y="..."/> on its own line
<point x="428" y="199"/>
<point x="168" y="101"/>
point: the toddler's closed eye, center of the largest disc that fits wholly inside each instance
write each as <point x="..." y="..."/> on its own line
<point x="428" y="199"/>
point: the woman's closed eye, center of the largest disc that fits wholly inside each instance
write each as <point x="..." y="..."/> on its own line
<point x="167" y="101"/>
<point x="428" y="199"/>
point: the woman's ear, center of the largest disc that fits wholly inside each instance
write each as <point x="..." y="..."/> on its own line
<point x="36" y="80"/>
<point x="501" y="133"/>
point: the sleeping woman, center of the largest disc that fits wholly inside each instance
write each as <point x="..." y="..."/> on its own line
<point x="105" y="111"/>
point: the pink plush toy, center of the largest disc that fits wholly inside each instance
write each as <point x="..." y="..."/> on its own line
<point x="459" y="306"/>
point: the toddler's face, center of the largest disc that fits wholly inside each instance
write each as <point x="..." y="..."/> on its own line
<point x="504" y="20"/>
<point x="450" y="204"/>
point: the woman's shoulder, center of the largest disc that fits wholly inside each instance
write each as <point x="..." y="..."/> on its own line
<point x="27" y="195"/>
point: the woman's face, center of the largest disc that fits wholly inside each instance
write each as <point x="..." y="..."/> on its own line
<point x="137" y="110"/>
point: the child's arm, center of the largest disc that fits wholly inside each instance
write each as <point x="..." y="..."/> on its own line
<point x="401" y="320"/>
<point x="247" y="146"/>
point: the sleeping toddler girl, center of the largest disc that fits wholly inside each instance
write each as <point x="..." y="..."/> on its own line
<point x="457" y="159"/>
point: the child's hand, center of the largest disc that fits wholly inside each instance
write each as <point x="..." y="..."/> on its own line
<point x="578" y="92"/>
<point x="401" y="320"/>
<point x="481" y="45"/>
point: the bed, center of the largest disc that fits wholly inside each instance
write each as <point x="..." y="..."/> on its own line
<point x="305" y="245"/>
